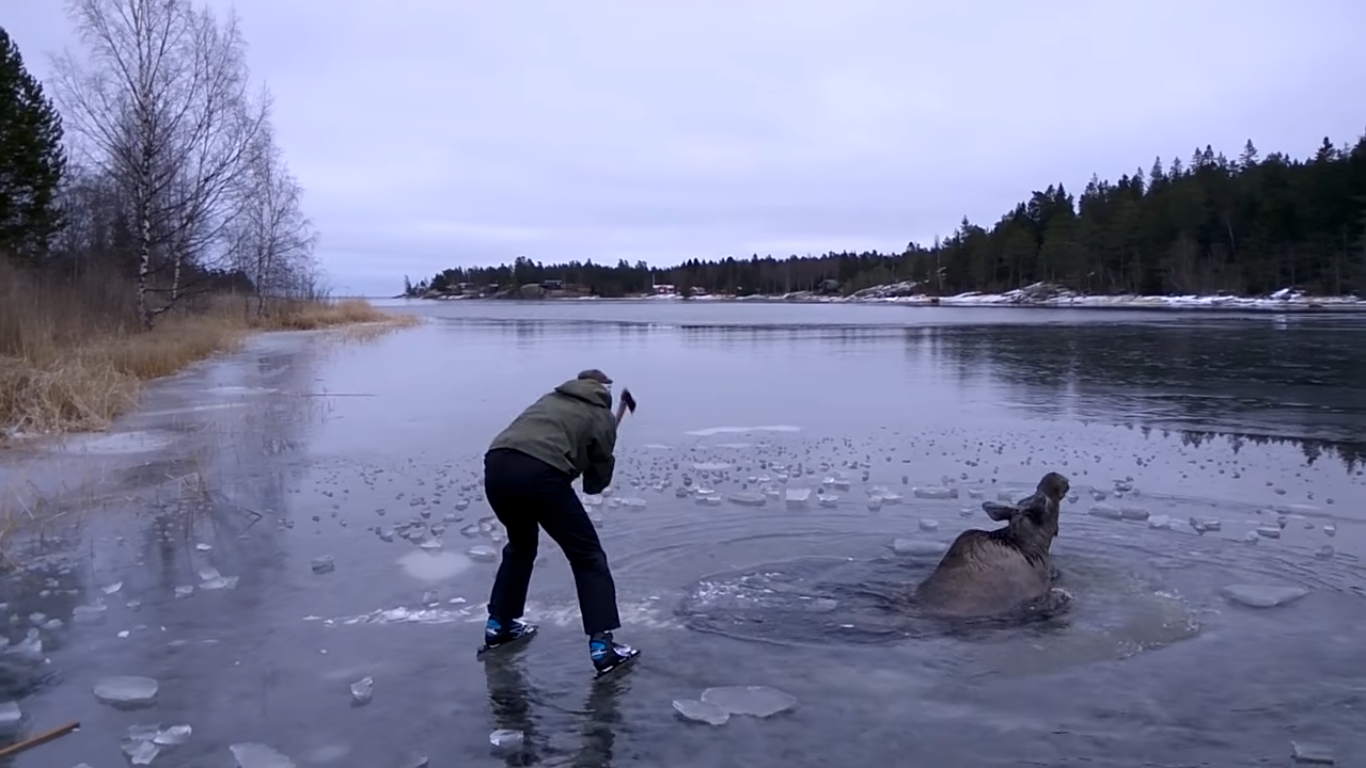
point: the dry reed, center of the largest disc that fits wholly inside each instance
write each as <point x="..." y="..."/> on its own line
<point x="73" y="355"/>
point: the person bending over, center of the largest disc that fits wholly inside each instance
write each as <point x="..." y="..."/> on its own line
<point x="528" y="469"/>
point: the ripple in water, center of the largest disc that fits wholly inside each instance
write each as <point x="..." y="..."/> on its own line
<point x="1102" y="615"/>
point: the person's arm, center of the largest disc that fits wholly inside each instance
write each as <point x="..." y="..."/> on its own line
<point x="602" y="460"/>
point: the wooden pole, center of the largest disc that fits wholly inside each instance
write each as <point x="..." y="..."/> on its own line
<point x="42" y="738"/>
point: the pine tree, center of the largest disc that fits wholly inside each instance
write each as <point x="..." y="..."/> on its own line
<point x="32" y="161"/>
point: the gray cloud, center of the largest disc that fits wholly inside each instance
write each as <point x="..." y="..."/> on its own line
<point x="430" y="133"/>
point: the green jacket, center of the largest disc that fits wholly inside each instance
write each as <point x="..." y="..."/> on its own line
<point x="572" y="429"/>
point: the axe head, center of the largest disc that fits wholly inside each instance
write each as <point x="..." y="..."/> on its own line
<point x="628" y="400"/>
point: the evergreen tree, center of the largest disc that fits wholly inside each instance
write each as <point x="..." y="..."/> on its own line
<point x="1249" y="226"/>
<point x="32" y="160"/>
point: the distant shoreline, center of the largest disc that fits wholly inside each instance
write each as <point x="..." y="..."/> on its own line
<point x="1011" y="300"/>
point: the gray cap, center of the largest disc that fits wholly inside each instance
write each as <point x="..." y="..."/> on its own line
<point x="593" y="374"/>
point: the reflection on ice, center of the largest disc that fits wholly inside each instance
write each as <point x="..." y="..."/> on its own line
<point x="426" y="565"/>
<point x="710" y="431"/>
<point x="116" y="443"/>
<point x="789" y="497"/>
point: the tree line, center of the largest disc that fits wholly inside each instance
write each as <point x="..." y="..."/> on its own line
<point x="153" y="162"/>
<point x="1247" y="226"/>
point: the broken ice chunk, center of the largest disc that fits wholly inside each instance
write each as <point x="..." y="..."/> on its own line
<point x="112" y="588"/>
<point x="254" y="755"/>
<point x="184" y="590"/>
<point x="1330" y="529"/>
<point x="745" y="499"/>
<point x="1134" y="513"/>
<point x="141" y="752"/>
<point x="11" y="717"/>
<point x="506" y="740"/>
<point x="222" y="582"/>
<point x="88" y="614"/>
<point x="1312" y="753"/>
<point x="209" y="573"/>
<point x="173" y="736"/>
<point x="822" y="605"/>
<point x="1269" y="532"/>
<point x="1106" y="511"/>
<point x="918" y="548"/>
<point x="363" y="690"/>
<point x="143" y="732"/>
<point x="323" y="564"/>
<point x="929" y="525"/>
<point x="1262" y="596"/>
<point x="126" y="691"/>
<point x="1160" y="522"/>
<point x="701" y="711"/>
<point x="753" y="700"/>
<point x="482" y="553"/>
<point x="935" y="492"/>
<point x="1205" y="524"/>
<point x="31" y="645"/>
<point x="1324" y="552"/>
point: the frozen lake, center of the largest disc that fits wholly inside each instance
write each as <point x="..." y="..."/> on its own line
<point x="276" y="525"/>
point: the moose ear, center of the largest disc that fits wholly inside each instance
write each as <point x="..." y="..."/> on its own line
<point x="999" y="512"/>
<point x="1036" y="508"/>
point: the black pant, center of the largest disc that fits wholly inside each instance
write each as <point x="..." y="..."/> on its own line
<point x="527" y="494"/>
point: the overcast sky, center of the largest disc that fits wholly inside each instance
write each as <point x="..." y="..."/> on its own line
<point x="434" y="133"/>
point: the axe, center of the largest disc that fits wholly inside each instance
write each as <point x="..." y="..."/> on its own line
<point x="628" y="403"/>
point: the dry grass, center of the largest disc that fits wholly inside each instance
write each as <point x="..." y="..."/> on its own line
<point x="73" y="354"/>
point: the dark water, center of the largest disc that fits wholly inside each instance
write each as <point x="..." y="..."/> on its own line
<point x="299" y="447"/>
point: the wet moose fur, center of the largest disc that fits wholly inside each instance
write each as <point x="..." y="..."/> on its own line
<point x="988" y="573"/>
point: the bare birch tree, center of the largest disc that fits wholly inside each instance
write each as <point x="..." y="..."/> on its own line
<point x="163" y="105"/>
<point x="274" y="241"/>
